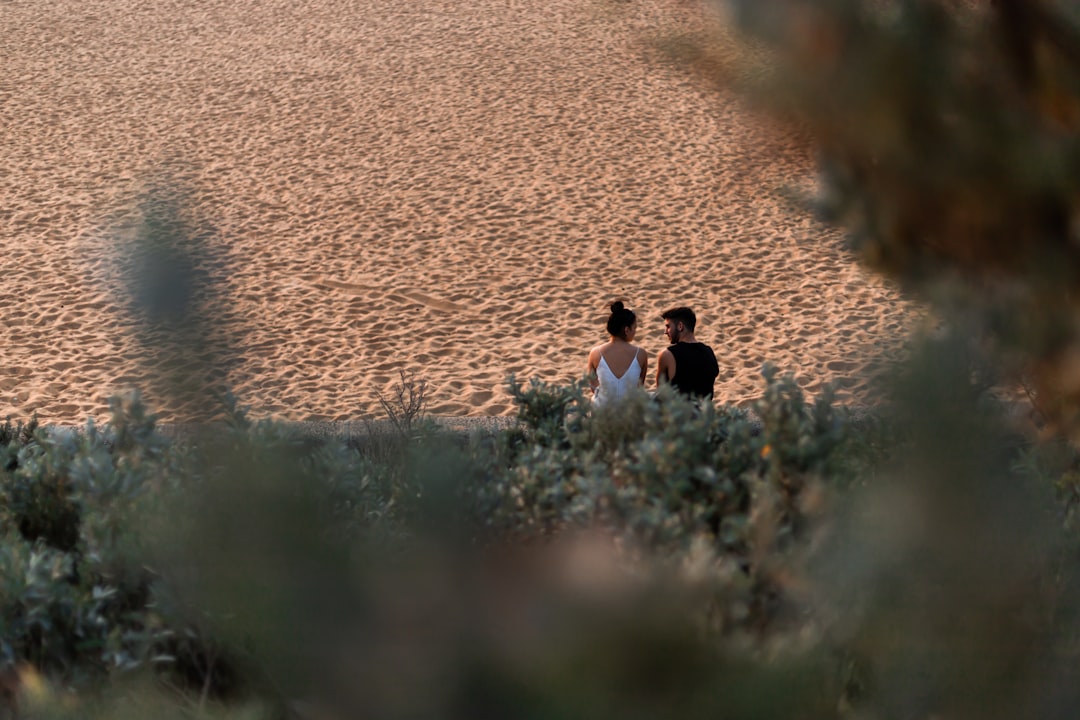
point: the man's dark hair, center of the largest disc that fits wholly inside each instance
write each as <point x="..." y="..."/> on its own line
<point x="681" y="314"/>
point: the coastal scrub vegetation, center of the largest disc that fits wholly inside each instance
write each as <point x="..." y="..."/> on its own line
<point x="788" y="559"/>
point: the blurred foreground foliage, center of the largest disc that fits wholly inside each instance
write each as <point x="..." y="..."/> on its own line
<point x="948" y="138"/>
<point x="791" y="559"/>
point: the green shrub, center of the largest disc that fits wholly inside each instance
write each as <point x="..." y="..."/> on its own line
<point x="253" y="561"/>
<point x="548" y="411"/>
<point x="662" y="468"/>
<point x="76" y="599"/>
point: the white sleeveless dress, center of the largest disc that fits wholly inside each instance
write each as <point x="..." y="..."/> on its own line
<point x="614" y="388"/>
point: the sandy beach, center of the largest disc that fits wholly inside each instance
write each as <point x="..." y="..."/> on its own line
<point x="456" y="189"/>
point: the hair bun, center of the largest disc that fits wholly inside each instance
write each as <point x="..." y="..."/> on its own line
<point x="617" y="306"/>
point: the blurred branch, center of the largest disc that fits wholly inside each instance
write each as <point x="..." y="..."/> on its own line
<point x="947" y="144"/>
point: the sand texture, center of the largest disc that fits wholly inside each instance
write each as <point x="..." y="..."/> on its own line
<point x="456" y="189"/>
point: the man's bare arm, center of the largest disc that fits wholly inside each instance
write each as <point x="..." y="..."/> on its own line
<point x="665" y="367"/>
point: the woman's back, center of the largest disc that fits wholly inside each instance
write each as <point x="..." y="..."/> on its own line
<point x="615" y="386"/>
<point x="617" y="367"/>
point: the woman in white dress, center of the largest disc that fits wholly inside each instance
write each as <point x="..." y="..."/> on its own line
<point x="618" y="367"/>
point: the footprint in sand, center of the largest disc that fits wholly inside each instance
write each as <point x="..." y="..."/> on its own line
<point x="355" y="288"/>
<point x="352" y="288"/>
<point x="358" y="289"/>
<point x="435" y="303"/>
<point x="479" y="398"/>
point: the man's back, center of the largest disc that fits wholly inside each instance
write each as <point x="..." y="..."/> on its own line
<point x="695" y="368"/>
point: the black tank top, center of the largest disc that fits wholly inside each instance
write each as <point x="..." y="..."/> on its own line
<point x="695" y="369"/>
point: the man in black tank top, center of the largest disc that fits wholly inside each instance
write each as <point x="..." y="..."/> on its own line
<point x="687" y="364"/>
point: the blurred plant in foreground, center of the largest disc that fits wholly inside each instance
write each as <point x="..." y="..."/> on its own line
<point x="254" y="569"/>
<point x="787" y="560"/>
<point x="173" y="275"/>
<point x="948" y="134"/>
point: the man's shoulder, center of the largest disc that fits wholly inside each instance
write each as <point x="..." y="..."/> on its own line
<point x="695" y="346"/>
<point x="699" y="350"/>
